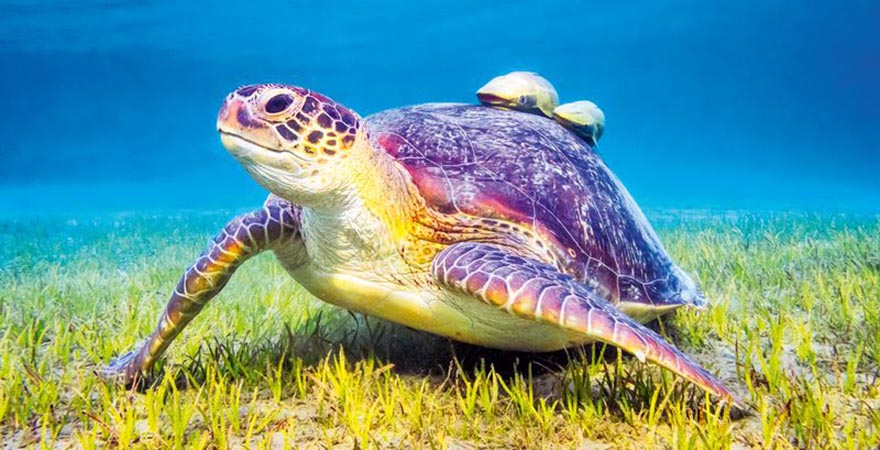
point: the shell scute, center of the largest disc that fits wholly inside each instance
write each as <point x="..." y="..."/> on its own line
<point x="527" y="169"/>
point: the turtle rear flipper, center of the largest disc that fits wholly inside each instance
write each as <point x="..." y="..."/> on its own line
<point x="537" y="291"/>
<point x="243" y="237"/>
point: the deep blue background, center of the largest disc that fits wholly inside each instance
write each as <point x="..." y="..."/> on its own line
<point x="110" y="105"/>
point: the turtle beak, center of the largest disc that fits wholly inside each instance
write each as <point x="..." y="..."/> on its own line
<point x="223" y="115"/>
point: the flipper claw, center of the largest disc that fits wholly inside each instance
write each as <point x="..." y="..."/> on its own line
<point x="119" y="369"/>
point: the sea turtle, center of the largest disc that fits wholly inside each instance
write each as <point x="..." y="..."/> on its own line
<point x="584" y="118"/>
<point x="486" y="225"/>
<point x="520" y="91"/>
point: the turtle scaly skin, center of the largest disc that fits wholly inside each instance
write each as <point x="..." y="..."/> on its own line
<point x="488" y="226"/>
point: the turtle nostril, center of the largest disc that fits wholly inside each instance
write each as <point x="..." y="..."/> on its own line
<point x="244" y="118"/>
<point x="278" y="103"/>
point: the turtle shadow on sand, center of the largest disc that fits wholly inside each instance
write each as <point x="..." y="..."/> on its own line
<point x="618" y="386"/>
<point x="414" y="353"/>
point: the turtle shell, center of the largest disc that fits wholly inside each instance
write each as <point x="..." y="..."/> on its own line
<point x="519" y="167"/>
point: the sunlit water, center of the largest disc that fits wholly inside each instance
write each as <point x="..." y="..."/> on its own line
<point x="110" y="105"/>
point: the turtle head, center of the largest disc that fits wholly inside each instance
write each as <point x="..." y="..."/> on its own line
<point x="521" y="91"/>
<point x="296" y="143"/>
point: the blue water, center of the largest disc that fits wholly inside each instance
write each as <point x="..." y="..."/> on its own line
<point x="110" y="105"/>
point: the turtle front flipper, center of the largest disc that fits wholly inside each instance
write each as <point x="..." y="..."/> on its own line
<point x="536" y="291"/>
<point x="273" y="226"/>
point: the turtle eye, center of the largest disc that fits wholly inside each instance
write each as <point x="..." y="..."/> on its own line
<point x="278" y="103"/>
